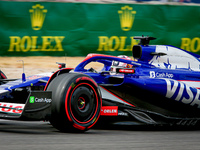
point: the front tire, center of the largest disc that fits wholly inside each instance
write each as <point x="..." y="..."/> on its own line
<point x="76" y="102"/>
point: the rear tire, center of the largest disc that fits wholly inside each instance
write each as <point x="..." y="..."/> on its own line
<point x="76" y="102"/>
<point x="2" y="76"/>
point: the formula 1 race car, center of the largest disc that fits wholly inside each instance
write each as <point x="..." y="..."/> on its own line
<point x="160" y="87"/>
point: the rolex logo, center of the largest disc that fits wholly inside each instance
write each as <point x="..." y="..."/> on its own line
<point x="38" y="14"/>
<point x="126" y="15"/>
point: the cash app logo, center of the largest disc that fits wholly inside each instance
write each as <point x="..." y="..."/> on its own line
<point x="31" y="99"/>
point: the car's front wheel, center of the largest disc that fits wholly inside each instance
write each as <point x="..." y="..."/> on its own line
<point x="76" y="102"/>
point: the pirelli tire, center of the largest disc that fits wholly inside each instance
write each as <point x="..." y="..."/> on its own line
<point x="76" y="102"/>
<point x="2" y="76"/>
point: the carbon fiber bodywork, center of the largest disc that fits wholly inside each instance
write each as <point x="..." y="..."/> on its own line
<point x="161" y="87"/>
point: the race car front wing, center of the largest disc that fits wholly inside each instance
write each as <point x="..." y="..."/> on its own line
<point x="36" y="107"/>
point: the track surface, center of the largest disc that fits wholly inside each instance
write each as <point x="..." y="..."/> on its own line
<point x="17" y="135"/>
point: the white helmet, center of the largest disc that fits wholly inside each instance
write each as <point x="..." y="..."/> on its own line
<point x="121" y="64"/>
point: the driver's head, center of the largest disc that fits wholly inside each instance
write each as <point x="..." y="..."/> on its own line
<point x="121" y="64"/>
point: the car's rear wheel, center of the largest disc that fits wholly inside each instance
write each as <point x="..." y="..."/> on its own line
<point x="2" y="76"/>
<point x="76" y="102"/>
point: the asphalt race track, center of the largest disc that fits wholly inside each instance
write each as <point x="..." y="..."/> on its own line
<point x="17" y="135"/>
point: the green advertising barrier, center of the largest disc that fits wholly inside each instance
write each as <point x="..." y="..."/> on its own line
<point x="76" y="29"/>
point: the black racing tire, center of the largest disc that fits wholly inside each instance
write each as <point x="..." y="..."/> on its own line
<point x="2" y="75"/>
<point x="76" y="102"/>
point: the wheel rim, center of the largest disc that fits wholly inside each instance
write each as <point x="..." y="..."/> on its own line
<point x="83" y="103"/>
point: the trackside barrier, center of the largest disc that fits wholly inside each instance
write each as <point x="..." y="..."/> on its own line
<point x="76" y="29"/>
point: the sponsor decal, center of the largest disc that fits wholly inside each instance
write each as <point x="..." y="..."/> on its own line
<point x="86" y="78"/>
<point x="33" y="77"/>
<point x="122" y="114"/>
<point x="115" y="43"/>
<point x="11" y="108"/>
<point x="33" y="99"/>
<point x="127" y="16"/>
<point x="126" y="70"/>
<point x="28" y="43"/>
<point x="195" y="84"/>
<point x="109" y="110"/>
<point x="154" y="74"/>
<point x="191" y="44"/>
<point x="38" y="14"/>
<point x="119" y="43"/>
<point x="182" y="92"/>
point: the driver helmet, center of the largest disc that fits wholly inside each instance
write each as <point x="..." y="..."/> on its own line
<point x="121" y="64"/>
<point x="116" y="64"/>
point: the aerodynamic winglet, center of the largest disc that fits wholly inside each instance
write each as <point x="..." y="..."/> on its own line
<point x="144" y="40"/>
